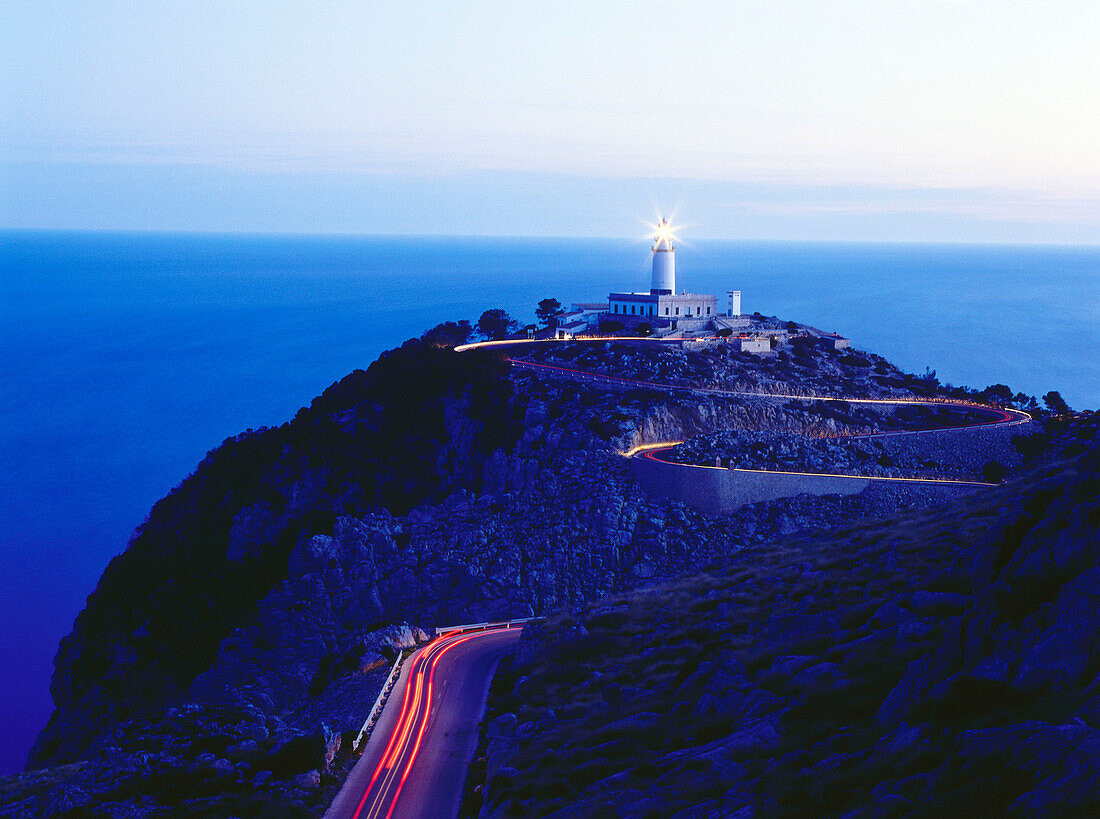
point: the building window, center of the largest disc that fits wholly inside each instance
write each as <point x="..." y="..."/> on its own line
<point x="677" y="311"/>
<point x="708" y="311"/>
<point x="632" y="309"/>
<point x="666" y="311"/>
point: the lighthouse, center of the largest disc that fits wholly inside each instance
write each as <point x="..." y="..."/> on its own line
<point x="664" y="261"/>
<point x="662" y="308"/>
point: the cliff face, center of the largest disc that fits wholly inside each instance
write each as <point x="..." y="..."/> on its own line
<point x="929" y="664"/>
<point x="431" y="489"/>
<point x="420" y="425"/>
<point x="416" y="424"/>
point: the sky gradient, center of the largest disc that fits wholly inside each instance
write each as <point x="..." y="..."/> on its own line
<point x="934" y="121"/>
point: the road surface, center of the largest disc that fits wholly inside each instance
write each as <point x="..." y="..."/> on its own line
<point x="414" y="764"/>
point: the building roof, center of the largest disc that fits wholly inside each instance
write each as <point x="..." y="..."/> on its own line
<point x="654" y="296"/>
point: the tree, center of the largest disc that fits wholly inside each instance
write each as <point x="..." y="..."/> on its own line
<point x="495" y="324"/>
<point x="1056" y="404"/>
<point x="644" y="329"/>
<point x="448" y="334"/>
<point x="725" y="332"/>
<point x="548" y="312"/>
<point x="998" y="394"/>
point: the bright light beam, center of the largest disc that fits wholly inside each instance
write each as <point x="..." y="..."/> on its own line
<point x="663" y="233"/>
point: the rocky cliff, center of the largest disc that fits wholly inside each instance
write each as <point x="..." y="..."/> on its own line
<point x="937" y="663"/>
<point x="227" y="652"/>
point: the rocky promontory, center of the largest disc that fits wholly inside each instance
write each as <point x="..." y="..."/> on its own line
<point x="937" y="663"/>
<point x="230" y="652"/>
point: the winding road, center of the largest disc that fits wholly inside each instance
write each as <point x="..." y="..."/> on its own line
<point x="997" y="417"/>
<point x="414" y="763"/>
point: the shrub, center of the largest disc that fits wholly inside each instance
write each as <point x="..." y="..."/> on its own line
<point x="1030" y="446"/>
<point x="1056" y="404"/>
<point x="296" y="755"/>
<point x="448" y="334"/>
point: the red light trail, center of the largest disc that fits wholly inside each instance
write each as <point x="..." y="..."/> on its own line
<point x="1002" y="417"/>
<point x="380" y="799"/>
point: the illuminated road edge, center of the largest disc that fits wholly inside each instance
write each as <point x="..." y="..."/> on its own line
<point x="649" y="452"/>
<point x="380" y="798"/>
<point x="1004" y="417"/>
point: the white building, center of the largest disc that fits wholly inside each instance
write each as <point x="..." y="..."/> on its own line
<point x="755" y="344"/>
<point x="670" y="307"/>
<point x="662" y="305"/>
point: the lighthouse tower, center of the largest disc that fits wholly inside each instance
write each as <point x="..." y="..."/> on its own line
<point x="664" y="261"/>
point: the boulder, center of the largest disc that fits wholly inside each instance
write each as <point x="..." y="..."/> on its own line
<point x="1068" y="649"/>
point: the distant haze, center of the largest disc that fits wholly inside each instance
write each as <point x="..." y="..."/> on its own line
<point x="921" y="121"/>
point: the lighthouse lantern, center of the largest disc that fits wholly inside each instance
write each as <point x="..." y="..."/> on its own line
<point x="664" y="261"/>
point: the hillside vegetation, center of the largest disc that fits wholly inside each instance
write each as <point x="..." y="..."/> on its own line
<point x="942" y="662"/>
<point x="221" y="540"/>
<point x="225" y="656"/>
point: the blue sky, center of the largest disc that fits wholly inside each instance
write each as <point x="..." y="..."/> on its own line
<point x="937" y="121"/>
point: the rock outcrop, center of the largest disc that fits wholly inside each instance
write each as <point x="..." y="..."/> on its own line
<point x="929" y="664"/>
<point x="272" y="588"/>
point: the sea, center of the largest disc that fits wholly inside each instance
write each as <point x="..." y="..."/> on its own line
<point x="124" y="358"/>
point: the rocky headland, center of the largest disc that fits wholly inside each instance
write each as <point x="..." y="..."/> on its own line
<point x="230" y="652"/>
<point x="936" y="663"/>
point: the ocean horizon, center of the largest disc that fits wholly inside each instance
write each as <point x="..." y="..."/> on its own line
<point x="128" y="356"/>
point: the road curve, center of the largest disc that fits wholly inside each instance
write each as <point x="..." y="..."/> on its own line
<point x="1001" y="416"/>
<point x="414" y="763"/>
<point x="997" y="417"/>
<point x="1009" y="417"/>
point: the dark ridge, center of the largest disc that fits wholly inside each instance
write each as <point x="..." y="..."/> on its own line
<point x="376" y="439"/>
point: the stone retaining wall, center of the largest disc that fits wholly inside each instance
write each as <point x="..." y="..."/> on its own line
<point x="721" y="491"/>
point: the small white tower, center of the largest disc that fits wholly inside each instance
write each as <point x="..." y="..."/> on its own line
<point x="664" y="261"/>
<point x="733" y="302"/>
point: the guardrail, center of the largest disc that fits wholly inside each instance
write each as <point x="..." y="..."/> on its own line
<point x="372" y="715"/>
<point x="376" y="709"/>
<point x="440" y="632"/>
